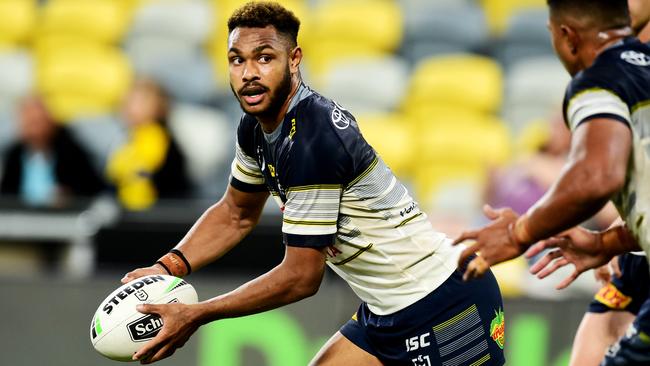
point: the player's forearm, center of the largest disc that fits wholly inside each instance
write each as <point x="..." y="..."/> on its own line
<point x="618" y="240"/>
<point x="219" y="229"/>
<point x="280" y="286"/>
<point x="579" y="194"/>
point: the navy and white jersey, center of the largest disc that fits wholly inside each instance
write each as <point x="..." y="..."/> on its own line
<point x="617" y="86"/>
<point x="336" y="192"/>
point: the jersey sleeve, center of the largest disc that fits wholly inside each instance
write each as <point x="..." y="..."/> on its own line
<point x="589" y="98"/>
<point x="245" y="173"/>
<point x="316" y="179"/>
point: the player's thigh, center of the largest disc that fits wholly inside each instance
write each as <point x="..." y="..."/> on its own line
<point x="339" y="351"/>
<point x="598" y="331"/>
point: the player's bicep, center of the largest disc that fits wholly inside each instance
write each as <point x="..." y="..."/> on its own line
<point x="603" y="144"/>
<point x="247" y="205"/>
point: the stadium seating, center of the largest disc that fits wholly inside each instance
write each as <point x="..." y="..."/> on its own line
<point x="499" y="12"/>
<point x="434" y="28"/>
<point x="16" y="76"/>
<point x="348" y="28"/>
<point x="526" y="36"/>
<point x="463" y="81"/>
<point x="366" y="85"/>
<point x="82" y="81"/>
<point x="207" y="139"/>
<point x="534" y="90"/>
<point x="98" y="20"/>
<point x="17" y="19"/>
<point x="392" y="137"/>
<point x="166" y="43"/>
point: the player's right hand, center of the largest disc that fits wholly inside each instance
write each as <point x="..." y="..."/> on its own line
<point x="577" y="246"/>
<point x="606" y="273"/>
<point x="141" y="272"/>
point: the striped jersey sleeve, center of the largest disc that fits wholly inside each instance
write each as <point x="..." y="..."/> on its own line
<point x="311" y="215"/>
<point x="245" y="169"/>
<point x="594" y="103"/>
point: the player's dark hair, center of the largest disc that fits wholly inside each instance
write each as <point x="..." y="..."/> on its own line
<point x="607" y="14"/>
<point x="261" y="14"/>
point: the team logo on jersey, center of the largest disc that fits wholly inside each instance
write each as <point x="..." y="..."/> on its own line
<point x="340" y="120"/>
<point x="611" y="297"/>
<point x="293" y="129"/>
<point x="498" y="328"/>
<point x="636" y="58"/>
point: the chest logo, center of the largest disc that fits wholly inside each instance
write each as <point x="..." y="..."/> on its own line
<point x="636" y="58"/>
<point x="271" y="170"/>
<point x="293" y="129"/>
<point x="340" y="120"/>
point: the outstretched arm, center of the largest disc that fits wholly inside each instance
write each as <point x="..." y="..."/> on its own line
<point x="297" y="277"/>
<point x="596" y="169"/>
<point x="219" y="229"/>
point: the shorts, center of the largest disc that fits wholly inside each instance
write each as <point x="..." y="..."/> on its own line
<point x="458" y="324"/>
<point x="628" y="292"/>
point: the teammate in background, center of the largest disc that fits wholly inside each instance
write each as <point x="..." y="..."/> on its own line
<point x="616" y="305"/>
<point x="606" y="108"/>
<point x="342" y="206"/>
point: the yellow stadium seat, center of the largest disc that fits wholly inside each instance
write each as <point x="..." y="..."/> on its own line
<point x="459" y="81"/>
<point x="353" y="28"/>
<point x="459" y="146"/>
<point x="218" y="45"/>
<point x="78" y="81"/>
<point x="392" y="137"/>
<point x="98" y="20"/>
<point x="498" y="12"/>
<point x="17" y="19"/>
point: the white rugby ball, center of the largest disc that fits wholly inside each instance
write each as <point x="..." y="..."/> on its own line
<point x="118" y="330"/>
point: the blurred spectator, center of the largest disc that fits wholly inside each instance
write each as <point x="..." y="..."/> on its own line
<point x="46" y="166"/>
<point x="150" y="164"/>
<point x="521" y="184"/>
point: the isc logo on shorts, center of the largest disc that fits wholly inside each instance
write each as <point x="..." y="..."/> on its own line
<point x="417" y="342"/>
<point x="611" y="297"/>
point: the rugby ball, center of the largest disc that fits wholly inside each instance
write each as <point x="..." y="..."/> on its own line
<point x="118" y="330"/>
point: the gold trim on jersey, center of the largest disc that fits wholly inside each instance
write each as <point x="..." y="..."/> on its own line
<point x="315" y="187"/>
<point x="592" y="90"/>
<point x="253" y="175"/>
<point x="640" y="105"/>
<point x="456" y="318"/>
<point x="353" y="256"/>
<point x="309" y="223"/>
<point x="482" y="360"/>
<point x="408" y="220"/>
<point x="365" y="172"/>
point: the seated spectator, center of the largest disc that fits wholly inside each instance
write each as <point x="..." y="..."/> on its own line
<point x="46" y="166"/>
<point x="150" y="164"/>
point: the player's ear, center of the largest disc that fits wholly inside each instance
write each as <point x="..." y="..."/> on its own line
<point x="295" y="57"/>
<point x="571" y="37"/>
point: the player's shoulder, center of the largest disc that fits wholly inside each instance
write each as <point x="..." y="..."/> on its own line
<point x="620" y="70"/>
<point x="246" y="130"/>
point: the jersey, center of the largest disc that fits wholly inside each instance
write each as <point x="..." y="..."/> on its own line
<point x="617" y="86"/>
<point x="336" y="192"/>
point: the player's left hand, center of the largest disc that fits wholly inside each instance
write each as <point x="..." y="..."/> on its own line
<point x="180" y="321"/>
<point x="492" y="241"/>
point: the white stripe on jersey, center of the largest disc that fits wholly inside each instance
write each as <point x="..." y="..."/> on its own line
<point x="245" y="169"/>
<point x="595" y="101"/>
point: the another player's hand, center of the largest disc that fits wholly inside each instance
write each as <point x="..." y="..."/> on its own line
<point x="180" y="321"/>
<point x="577" y="246"/>
<point x="493" y="242"/>
<point x="141" y="272"/>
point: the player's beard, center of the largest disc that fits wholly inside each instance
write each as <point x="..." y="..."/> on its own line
<point x="277" y="97"/>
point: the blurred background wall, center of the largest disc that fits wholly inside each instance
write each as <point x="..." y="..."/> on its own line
<point x="460" y="97"/>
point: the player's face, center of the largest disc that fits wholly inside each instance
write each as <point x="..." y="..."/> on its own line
<point x="260" y="72"/>
<point x="562" y="46"/>
<point x="640" y="13"/>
